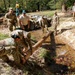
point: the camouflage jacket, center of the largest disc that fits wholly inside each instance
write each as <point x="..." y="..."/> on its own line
<point x="11" y="18"/>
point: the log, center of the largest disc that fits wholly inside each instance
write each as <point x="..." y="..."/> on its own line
<point x="39" y="43"/>
<point x="36" y="46"/>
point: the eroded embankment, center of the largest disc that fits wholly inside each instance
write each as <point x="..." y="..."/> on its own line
<point x="66" y="48"/>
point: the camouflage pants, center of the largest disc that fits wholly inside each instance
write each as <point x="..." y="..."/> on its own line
<point x="43" y="27"/>
<point x="16" y="56"/>
<point x="4" y="52"/>
<point x="11" y="51"/>
<point x="74" y="16"/>
<point x="11" y="26"/>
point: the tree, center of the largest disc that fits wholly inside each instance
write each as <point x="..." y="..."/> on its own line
<point x="9" y="3"/>
<point x="4" y="4"/>
<point x="33" y="5"/>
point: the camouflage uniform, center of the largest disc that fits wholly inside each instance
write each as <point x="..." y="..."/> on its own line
<point x="22" y="43"/>
<point x="73" y="9"/>
<point x="55" y="22"/>
<point x="11" y="20"/>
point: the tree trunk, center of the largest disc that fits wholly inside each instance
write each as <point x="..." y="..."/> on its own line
<point x="4" y="4"/>
<point x="64" y="8"/>
<point x="38" y="6"/>
<point x="22" y="4"/>
<point x="55" y="4"/>
<point x="9" y="2"/>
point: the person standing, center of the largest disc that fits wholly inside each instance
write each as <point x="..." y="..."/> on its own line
<point x="17" y="8"/>
<point x="11" y="19"/>
<point x="24" y="21"/>
<point x="55" y="22"/>
<point x="73" y="10"/>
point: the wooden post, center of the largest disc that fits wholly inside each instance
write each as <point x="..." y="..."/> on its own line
<point x="53" y="44"/>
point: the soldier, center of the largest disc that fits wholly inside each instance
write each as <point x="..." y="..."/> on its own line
<point x="24" y="21"/>
<point x="11" y="19"/>
<point x="45" y="23"/>
<point x="73" y="9"/>
<point x="55" y="22"/>
<point x="22" y="42"/>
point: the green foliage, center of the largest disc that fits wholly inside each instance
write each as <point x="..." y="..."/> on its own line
<point x="59" y="4"/>
<point x="33" y="5"/>
<point x="30" y="6"/>
<point x="43" y="53"/>
<point x="51" y="4"/>
<point x="3" y="36"/>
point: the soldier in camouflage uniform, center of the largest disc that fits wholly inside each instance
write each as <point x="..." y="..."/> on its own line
<point x="11" y="19"/>
<point x="23" y="43"/>
<point x="55" y="22"/>
<point x="73" y="10"/>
